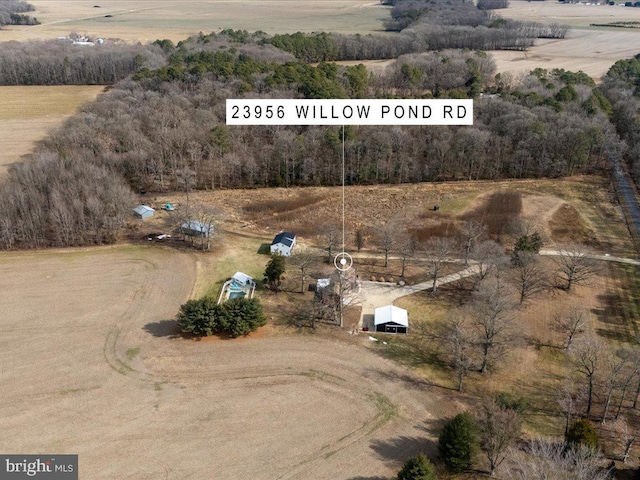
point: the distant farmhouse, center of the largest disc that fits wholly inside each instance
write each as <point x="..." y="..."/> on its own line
<point x="144" y="211"/>
<point x="391" y="319"/>
<point x="283" y="244"/>
<point x="197" y="229"/>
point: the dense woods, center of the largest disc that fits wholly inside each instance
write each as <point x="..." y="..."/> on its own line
<point x="622" y="88"/>
<point x="60" y="62"/>
<point x="12" y="12"/>
<point x="54" y="201"/>
<point x="165" y="128"/>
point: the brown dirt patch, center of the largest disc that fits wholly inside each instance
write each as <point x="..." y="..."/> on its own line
<point x="567" y="227"/>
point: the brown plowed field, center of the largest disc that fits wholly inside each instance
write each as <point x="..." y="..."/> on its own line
<point x="90" y="364"/>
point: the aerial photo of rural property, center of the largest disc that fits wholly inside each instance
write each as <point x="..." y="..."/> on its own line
<point x="184" y="298"/>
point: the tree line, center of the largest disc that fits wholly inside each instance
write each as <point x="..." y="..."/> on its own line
<point x="12" y="12"/>
<point x="54" y="201"/>
<point x="621" y="86"/>
<point x="59" y="62"/>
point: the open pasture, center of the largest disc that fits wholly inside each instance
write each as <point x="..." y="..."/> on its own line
<point x="148" y="20"/>
<point x="28" y="113"/>
<point x="590" y="49"/>
<point x="90" y="364"/>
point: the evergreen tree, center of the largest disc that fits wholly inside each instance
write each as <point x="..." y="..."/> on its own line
<point x="274" y="271"/>
<point x="582" y="433"/>
<point x="417" y="468"/>
<point x="459" y="442"/>
<point x="241" y="316"/>
<point x="198" y="316"/>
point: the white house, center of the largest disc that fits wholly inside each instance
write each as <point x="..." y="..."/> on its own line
<point x="391" y="319"/>
<point x="283" y="243"/>
<point x="144" y="211"/>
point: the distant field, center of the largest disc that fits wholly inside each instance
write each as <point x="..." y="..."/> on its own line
<point x="590" y="49"/>
<point x="28" y="113"/>
<point x="148" y="20"/>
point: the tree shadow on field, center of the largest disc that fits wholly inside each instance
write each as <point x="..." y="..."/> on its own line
<point x="163" y="328"/>
<point x="368" y="478"/>
<point x="397" y="450"/>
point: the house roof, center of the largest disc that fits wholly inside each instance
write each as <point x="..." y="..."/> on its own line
<point x="197" y="227"/>
<point x="285" y="238"/>
<point x="142" y="209"/>
<point x="242" y="278"/>
<point x="391" y="313"/>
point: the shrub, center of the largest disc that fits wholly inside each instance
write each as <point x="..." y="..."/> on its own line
<point x="417" y="468"/>
<point x="582" y="433"/>
<point x="240" y="316"/>
<point x="198" y="316"/>
<point x="236" y="317"/>
<point x="509" y="401"/>
<point x="458" y="442"/>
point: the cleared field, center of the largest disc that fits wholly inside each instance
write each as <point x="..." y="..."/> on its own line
<point x="590" y="49"/>
<point x="28" y="113"/>
<point x="89" y="364"/>
<point x="148" y="20"/>
<point x="598" y="221"/>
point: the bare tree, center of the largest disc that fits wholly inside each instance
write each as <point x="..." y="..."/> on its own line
<point x="529" y="276"/>
<point x="471" y="232"/>
<point x="575" y="267"/>
<point x="613" y="377"/>
<point x="302" y="260"/>
<point x="455" y="338"/>
<point x="488" y="255"/>
<point x="587" y="356"/>
<point x="360" y="238"/>
<point x="499" y="429"/>
<point x="331" y="239"/>
<point x="438" y="251"/>
<point x="406" y="251"/>
<point x="492" y="312"/>
<point x="570" y="324"/>
<point x="627" y="437"/>
<point x="550" y="460"/>
<point x="387" y="242"/>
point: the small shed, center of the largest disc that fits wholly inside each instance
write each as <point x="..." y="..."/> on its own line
<point x="144" y="211"/>
<point x="283" y="243"/>
<point x="391" y="319"/>
<point x="242" y="279"/>
<point x="197" y="229"/>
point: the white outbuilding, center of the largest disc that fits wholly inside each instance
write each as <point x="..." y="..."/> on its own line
<point x="391" y="319"/>
<point x="144" y="211"/>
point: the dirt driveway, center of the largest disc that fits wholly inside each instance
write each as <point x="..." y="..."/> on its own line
<point x="89" y="364"/>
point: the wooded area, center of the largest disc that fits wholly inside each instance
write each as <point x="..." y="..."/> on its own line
<point x="12" y="12"/>
<point x="165" y="128"/>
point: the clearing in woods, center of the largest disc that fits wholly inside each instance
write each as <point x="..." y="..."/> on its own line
<point x="29" y="112"/>
<point x="90" y="364"/>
